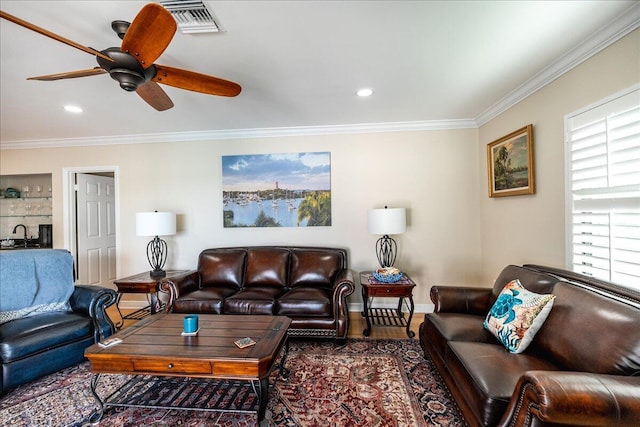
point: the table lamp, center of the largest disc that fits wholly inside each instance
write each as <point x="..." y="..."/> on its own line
<point x="387" y="221"/>
<point x="156" y="224"/>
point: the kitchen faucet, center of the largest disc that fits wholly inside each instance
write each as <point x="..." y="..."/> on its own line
<point x="25" y="232"/>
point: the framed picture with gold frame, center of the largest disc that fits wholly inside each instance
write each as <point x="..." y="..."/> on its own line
<point x="510" y="164"/>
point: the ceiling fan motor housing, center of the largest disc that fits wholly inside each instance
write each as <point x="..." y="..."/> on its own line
<point x="125" y="69"/>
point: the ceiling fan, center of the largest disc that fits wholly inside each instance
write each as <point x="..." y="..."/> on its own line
<point x="132" y="64"/>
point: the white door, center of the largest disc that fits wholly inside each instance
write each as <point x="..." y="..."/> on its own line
<point x="96" y="229"/>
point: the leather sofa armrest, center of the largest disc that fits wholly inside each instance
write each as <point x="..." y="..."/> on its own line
<point x="177" y="286"/>
<point x="461" y="299"/>
<point x="93" y="301"/>
<point x="574" y="398"/>
<point x="343" y="286"/>
<point x="344" y="277"/>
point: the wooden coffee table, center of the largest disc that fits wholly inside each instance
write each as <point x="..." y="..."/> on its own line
<point x="206" y="372"/>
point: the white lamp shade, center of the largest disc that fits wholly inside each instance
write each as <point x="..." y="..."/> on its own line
<point x="155" y="224"/>
<point x="387" y="221"/>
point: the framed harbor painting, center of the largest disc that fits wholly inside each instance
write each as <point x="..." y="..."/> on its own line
<point x="510" y="164"/>
<point x="277" y="190"/>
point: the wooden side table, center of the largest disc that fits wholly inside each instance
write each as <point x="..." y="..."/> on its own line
<point x="142" y="283"/>
<point x="402" y="289"/>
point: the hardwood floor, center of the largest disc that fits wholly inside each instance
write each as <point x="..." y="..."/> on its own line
<point x="355" y="328"/>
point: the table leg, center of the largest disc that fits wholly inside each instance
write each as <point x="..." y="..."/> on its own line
<point x="120" y="323"/>
<point x="365" y="301"/>
<point x="153" y="303"/>
<point x="263" y="396"/>
<point x="96" y="415"/>
<point x="284" y="372"/>
<point x="410" y="333"/>
<point x="399" y="309"/>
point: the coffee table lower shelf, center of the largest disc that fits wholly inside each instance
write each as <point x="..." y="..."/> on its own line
<point x="184" y="393"/>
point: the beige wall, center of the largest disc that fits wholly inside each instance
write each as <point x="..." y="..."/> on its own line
<point x="456" y="234"/>
<point x="531" y="228"/>
<point x="431" y="173"/>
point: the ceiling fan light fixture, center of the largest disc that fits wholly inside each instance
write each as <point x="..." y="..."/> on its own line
<point x="364" y="92"/>
<point x="129" y="80"/>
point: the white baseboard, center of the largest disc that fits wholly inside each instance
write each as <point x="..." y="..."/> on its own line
<point x="353" y="307"/>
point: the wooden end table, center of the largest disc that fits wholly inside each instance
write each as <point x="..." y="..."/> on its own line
<point x="142" y="283"/>
<point x="372" y="288"/>
<point x="192" y="372"/>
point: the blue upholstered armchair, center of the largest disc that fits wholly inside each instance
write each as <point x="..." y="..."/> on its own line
<point x="45" y="321"/>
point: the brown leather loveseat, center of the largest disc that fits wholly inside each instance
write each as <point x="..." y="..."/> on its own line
<point x="582" y="368"/>
<point x="310" y="285"/>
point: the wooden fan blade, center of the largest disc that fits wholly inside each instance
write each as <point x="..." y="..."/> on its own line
<point x="154" y="95"/>
<point x="70" y="75"/>
<point x="54" y="36"/>
<point x="196" y="82"/>
<point x="149" y="34"/>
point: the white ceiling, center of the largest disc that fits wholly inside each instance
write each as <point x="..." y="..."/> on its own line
<point x="430" y="63"/>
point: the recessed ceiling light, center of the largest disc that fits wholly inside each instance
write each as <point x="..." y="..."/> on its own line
<point x="73" y="109"/>
<point x="364" y="92"/>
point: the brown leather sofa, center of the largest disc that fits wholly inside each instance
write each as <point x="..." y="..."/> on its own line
<point x="310" y="285"/>
<point x="582" y="368"/>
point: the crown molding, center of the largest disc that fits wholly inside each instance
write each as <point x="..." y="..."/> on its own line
<point x="212" y="135"/>
<point x="617" y="29"/>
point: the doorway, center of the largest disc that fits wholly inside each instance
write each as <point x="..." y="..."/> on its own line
<point x="91" y="223"/>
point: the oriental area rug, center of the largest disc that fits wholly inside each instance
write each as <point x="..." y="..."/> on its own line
<point x="372" y="383"/>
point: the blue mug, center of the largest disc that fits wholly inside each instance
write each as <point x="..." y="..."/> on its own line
<point x="190" y="323"/>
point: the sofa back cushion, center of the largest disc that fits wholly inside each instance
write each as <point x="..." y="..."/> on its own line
<point x="532" y="280"/>
<point x="591" y="330"/>
<point x="316" y="268"/>
<point x="267" y="266"/>
<point x="222" y="267"/>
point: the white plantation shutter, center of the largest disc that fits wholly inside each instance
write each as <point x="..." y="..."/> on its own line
<point x="603" y="189"/>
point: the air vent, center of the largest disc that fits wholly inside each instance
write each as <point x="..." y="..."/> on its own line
<point x="192" y="16"/>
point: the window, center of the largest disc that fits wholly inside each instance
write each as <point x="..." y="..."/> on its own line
<point x="602" y="154"/>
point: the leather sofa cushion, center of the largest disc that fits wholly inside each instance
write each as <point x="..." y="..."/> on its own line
<point x="314" y="268"/>
<point x="440" y="328"/>
<point x="305" y="302"/>
<point x="221" y="267"/>
<point x="30" y="335"/>
<point x="489" y="374"/>
<point x="206" y="300"/>
<point x="305" y="323"/>
<point x="267" y="267"/>
<point x="605" y="332"/>
<point x="253" y="300"/>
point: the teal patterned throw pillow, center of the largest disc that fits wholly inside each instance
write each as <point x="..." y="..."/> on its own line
<point x="517" y="315"/>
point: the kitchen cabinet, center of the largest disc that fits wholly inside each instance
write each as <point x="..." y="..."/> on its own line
<point x="32" y="208"/>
